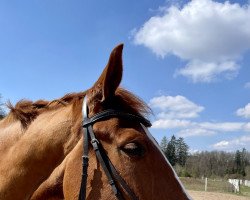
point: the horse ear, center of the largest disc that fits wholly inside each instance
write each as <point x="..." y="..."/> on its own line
<point x="111" y="76"/>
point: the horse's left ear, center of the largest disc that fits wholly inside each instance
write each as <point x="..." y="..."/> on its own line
<point x="111" y="76"/>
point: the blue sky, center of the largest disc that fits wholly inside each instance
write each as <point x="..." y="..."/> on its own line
<point x="189" y="60"/>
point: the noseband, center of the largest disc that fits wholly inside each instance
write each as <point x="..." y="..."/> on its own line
<point x="112" y="174"/>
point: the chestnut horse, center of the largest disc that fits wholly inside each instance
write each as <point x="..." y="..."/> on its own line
<point x="46" y="160"/>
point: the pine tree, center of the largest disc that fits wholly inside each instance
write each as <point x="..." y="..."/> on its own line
<point x="171" y="151"/>
<point x="240" y="162"/>
<point x="237" y="161"/>
<point x="243" y="162"/>
<point x="164" y="144"/>
<point x="181" y="151"/>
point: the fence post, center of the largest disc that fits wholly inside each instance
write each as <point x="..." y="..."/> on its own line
<point x="205" y="184"/>
<point x="239" y="186"/>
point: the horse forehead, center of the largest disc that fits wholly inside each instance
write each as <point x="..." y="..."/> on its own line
<point x="117" y="124"/>
<point x="118" y="129"/>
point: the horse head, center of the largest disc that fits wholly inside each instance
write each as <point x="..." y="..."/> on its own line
<point x="131" y="149"/>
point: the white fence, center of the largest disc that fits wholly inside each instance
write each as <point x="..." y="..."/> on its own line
<point x="247" y="183"/>
<point x="218" y="185"/>
<point x="237" y="182"/>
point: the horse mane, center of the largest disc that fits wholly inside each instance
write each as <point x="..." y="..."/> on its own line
<point x="26" y="111"/>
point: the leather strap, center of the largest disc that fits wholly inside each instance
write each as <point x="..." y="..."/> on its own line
<point x="122" y="182"/>
<point x="109" y="169"/>
<point x="104" y="163"/>
<point x="110" y="113"/>
<point x="85" y="157"/>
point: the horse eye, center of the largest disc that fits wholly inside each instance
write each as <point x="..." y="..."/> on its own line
<point x="133" y="149"/>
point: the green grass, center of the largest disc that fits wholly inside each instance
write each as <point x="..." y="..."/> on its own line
<point x="245" y="191"/>
<point x="213" y="186"/>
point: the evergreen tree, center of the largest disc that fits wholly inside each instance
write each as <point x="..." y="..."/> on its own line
<point x="241" y="162"/>
<point x="181" y="151"/>
<point x="164" y="144"/>
<point x="171" y="151"/>
<point x="237" y="161"/>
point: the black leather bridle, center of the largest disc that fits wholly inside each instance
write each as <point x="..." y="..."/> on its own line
<point x="113" y="176"/>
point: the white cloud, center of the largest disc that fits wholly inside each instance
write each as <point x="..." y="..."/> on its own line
<point x="189" y="128"/>
<point x="210" y="35"/>
<point x="247" y="85"/>
<point x="178" y="112"/>
<point x="170" y="123"/>
<point x="246" y="127"/>
<point x="175" y="107"/>
<point x="195" y="132"/>
<point x="244" y="112"/>
<point x="223" y="127"/>
<point x="240" y="142"/>
<point x="221" y="144"/>
<point x="199" y="71"/>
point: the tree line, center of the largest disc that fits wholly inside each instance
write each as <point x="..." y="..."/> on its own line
<point x="206" y="164"/>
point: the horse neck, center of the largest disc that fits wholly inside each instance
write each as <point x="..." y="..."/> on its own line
<point x="10" y="132"/>
<point x="45" y="144"/>
<point x="52" y="187"/>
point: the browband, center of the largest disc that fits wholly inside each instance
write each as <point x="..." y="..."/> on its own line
<point x="115" y="113"/>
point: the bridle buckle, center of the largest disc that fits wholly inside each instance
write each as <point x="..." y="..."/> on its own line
<point x="95" y="143"/>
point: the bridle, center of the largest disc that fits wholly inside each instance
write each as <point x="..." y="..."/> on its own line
<point x="112" y="174"/>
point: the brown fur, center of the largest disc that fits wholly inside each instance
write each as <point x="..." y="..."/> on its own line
<point x="44" y="147"/>
<point x="49" y="152"/>
<point x="26" y="111"/>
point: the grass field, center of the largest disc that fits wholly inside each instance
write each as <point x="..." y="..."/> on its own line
<point x="245" y="191"/>
<point x="219" y="186"/>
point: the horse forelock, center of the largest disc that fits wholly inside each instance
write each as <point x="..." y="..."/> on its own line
<point x="130" y="103"/>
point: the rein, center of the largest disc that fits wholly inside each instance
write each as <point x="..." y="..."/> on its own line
<point x="107" y="166"/>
